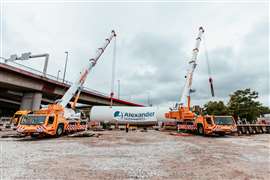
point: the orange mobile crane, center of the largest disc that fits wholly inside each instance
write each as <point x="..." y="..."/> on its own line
<point x="58" y="118"/>
<point x="189" y="120"/>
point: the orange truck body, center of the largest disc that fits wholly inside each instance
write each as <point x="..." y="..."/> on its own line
<point x="49" y="122"/>
<point x="203" y="125"/>
<point x="215" y="125"/>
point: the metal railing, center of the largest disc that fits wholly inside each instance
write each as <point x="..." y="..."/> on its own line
<point x="60" y="80"/>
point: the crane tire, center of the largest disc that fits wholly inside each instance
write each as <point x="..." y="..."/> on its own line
<point x="59" y="130"/>
<point x="200" y="129"/>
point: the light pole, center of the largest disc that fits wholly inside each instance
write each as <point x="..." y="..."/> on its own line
<point x="65" y="66"/>
<point x="118" y="88"/>
<point x="148" y="99"/>
<point x="58" y="74"/>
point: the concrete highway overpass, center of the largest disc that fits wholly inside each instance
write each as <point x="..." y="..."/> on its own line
<point x="23" y="89"/>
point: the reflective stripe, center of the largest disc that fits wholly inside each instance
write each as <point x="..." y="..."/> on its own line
<point x="40" y="129"/>
<point x="75" y="127"/>
<point x="71" y="127"/>
<point x="184" y="126"/>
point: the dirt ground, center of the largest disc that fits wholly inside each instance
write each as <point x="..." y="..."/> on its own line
<point x="136" y="155"/>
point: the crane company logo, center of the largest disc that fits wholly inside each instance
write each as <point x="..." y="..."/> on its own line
<point x="133" y="116"/>
<point x="118" y="114"/>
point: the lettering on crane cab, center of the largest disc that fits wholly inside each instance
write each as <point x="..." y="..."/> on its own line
<point x="133" y="116"/>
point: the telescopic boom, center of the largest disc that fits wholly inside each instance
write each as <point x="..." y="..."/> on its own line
<point x="77" y="86"/>
<point x="192" y="66"/>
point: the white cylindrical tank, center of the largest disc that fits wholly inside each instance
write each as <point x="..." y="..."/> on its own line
<point x="127" y="114"/>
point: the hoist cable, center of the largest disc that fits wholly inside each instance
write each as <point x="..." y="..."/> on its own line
<point x="208" y="68"/>
<point x="207" y="58"/>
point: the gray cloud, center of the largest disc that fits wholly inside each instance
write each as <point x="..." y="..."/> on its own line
<point x="154" y="44"/>
<point x="246" y="67"/>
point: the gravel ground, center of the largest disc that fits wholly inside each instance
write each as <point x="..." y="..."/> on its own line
<point x="136" y="155"/>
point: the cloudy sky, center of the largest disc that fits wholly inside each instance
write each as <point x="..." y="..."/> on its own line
<point x="154" y="44"/>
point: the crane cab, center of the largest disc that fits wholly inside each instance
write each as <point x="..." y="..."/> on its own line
<point x="17" y="116"/>
<point x="46" y="121"/>
<point x="53" y="120"/>
<point x="215" y="125"/>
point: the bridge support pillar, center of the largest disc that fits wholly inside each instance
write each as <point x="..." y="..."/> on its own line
<point x="31" y="101"/>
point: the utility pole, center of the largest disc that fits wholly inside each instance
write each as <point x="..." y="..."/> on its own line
<point x="118" y="88"/>
<point x="113" y="72"/>
<point x="58" y="74"/>
<point x="148" y="99"/>
<point x="65" y="67"/>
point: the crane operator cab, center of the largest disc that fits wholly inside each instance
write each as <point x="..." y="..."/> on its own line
<point x="215" y="125"/>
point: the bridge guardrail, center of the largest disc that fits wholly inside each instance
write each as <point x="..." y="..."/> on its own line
<point x="60" y="80"/>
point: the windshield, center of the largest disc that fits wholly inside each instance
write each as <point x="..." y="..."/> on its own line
<point x="32" y="120"/>
<point x="224" y="120"/>
<point x="17" y="116"/>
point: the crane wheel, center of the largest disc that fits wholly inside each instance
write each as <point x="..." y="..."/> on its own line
<point x="200" y="129"/>
<point x="60" y="130"/>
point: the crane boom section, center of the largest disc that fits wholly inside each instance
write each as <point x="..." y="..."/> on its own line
<point x="192" y="65"/>
<point x="77" y="86"/>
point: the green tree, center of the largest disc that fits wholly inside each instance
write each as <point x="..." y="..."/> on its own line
<point x="243" y="104"/>
<point x="264" y="110"/>
<point x="215" y="108"/>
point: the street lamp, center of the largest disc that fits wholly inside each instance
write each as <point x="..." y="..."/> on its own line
<point x="148" y="99"/>
<point x="58" y="74"/>
<point x="118" y="88"/>
<point x="65" y="66"/>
